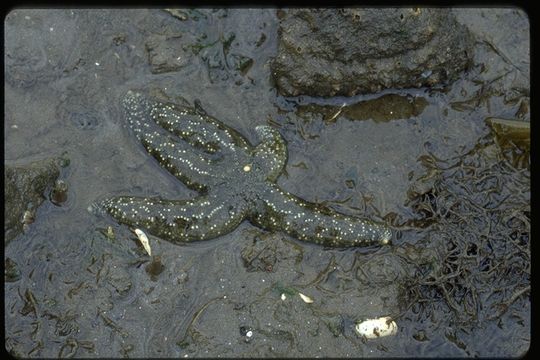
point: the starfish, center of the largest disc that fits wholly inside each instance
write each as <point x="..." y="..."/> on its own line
<point x="235" y="181"/>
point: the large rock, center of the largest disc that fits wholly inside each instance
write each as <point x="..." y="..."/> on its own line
<point x="24" y="187"/>
<point x="349" y="51"/>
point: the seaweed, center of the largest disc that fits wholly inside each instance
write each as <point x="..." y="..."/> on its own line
<point x="476" y="212"/>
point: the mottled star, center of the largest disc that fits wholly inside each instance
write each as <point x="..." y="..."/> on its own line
<point x="235" y="181"/>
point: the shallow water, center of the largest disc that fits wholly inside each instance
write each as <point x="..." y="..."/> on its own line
<point x="82" y="294"/>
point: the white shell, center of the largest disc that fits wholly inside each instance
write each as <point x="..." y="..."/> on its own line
<point x="283" y="296"/>
<point x="376" y="328"/>
<point x="144" y="241"/>
<point x="306" y="299"/>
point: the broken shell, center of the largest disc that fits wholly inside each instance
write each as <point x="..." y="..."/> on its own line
<point x="337" y="113"/>
<point x="144" y="240"/>
<point x="28" y="217"/>
<point x="375" y="328"/>
<point x="110" y="233"/>
<point x="306" y="299"/>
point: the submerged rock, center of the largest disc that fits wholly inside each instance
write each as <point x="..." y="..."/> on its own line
<point x="382" y="109"/>
<point x="24" y="187"/>
<point x="166" y="53"/>
<point x="327" y="52"/>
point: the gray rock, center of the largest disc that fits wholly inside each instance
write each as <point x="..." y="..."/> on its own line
<point x="331" y="52"/>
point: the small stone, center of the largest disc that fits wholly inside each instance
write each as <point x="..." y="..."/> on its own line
<point x="11" y="271"/>
<point x="155" y="267"/>
<point x="59" y="192"/>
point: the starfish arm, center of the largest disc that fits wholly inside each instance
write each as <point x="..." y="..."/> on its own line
<point x="271" y="152"/>
<point x="309" y="222"/>
<point x="179" y="158"/>
<point x="194" y="126"/>
<point x="177" y="221"/>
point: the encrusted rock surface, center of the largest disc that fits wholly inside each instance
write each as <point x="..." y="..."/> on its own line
<point x="24" y="187"/>
<point x="327" y="52"/>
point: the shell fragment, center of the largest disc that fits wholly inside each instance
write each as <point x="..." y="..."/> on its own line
<point x="306" y="298"/>
<point x="376" y="328"/>
<point x="144" y="241"/>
